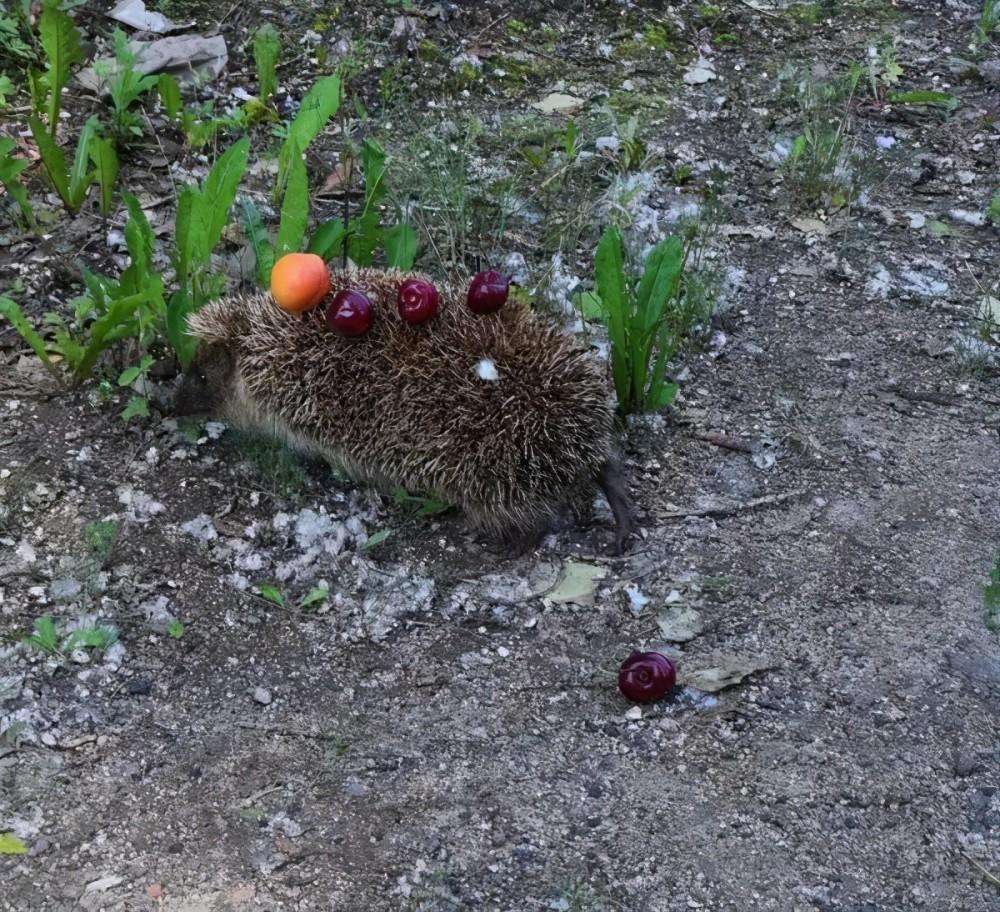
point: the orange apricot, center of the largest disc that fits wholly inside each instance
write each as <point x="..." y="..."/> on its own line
<point x="299" y="281"/>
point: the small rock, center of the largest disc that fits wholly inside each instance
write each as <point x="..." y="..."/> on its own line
<point x="700" y="72"/>
<point x="262" y="695"/>
<point x="634" y="713"/>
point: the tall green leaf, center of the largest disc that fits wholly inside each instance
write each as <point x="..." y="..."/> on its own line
<point x="169" y="90"/>
<point x="10" y="177"/>
<point x="319" y="105"/>
<point x="53" y="160"/>
<point x="266" y="48"/>
<point x="365" y="233"/>
<point x="61" y="42"/>
<point x="105" y="159"/>
<point x="187" y="201"/>
<point x="660" y="281"/>
<point x="328" y="239"/>
<point x="401" y="246"/>
<point x="139" y="238"/>
<point x="609" y="274"/>
<point x="81" y="177"/>
<point x="182" y="342"/>
<point x="19" y="321"/>
<point x="294" y="209"/>
<point x="263" y="249"/>
<point x="218" y="195"/>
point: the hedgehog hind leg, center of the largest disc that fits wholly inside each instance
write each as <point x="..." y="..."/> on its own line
<point x="612" y="482"/>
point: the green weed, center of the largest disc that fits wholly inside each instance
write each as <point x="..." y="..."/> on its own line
<point x="125" y="86"/>
<point x="266" y="50"/>
<point x="639" y="314"/>
<point x="989" y="23"/>
<point x="60" y="40"/>
<point x="202" y="214"/>
<point x="71" y="183"/>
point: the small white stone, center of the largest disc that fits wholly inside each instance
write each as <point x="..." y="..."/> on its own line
<point x="262" y="695"/>
<point x="634" y="713"/>
<point x="487" y="370"/>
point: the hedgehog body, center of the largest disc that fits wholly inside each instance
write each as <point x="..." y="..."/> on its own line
<point x="503" y="415"/>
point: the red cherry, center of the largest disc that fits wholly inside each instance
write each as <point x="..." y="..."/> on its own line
<point x="417" y="301"/>
<point x="350" y="313"/>
<point x="646" y="676"/>
<point x="488" y="291"/>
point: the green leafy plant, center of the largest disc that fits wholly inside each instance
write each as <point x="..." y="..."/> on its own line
<point x="71" y="184"/>
<point x="375" y="540"/>
<point x="879" y="72"/>
<point x="989" y="22"/>
<point x="44" y="639"/>
<point x="100" y="537"/>
<point x="316" y="596"/>
<point x="108" y="312"/>
<point x="60" y="40"/>
<point x="98" y="637"/>
<point x="202" y="214"/>
<point x="10" y="171"/>
<point x="169" y="90"/>
<point x="125" y="86"/>
<point x="271" y="593"/>
<point x="639" y="314"/>
<point x="175" y="629"/>
<point x="266" y="49"/>
<point x="993" y="209"/>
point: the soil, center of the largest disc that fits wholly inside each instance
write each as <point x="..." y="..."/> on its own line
<point x="441" y="733"/>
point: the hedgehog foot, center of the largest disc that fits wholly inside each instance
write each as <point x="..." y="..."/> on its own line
<point x="612" y="483"/>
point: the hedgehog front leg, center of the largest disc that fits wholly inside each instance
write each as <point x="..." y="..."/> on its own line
<point x="612" y="483"/>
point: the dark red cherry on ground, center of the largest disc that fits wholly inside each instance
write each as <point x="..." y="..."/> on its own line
<point x="488" y="291"/>
<point x="350" y="313"/>
<point x="646" y="676"/>
<point x="417" y="301"/>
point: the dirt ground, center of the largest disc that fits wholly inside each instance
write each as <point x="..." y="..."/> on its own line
<point x="442" y="733"/>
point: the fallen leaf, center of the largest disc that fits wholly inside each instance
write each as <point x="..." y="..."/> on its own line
<point x="576" y="584"/>
<point x="154" y="891"/>
<point x="558" y="103"/>
<point x="727" y="672"/>
<point x="680" y="624"/>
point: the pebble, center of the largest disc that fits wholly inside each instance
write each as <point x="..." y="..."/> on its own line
<point x="634" y="713"/>
<point x="262" y="695"/>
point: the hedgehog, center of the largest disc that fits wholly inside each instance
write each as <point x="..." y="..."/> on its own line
<point x="503" y="415"/>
